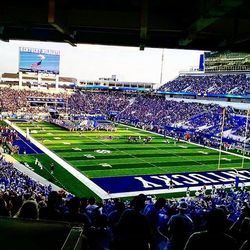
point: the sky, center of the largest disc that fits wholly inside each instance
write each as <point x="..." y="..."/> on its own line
<point x="89" y="62"/>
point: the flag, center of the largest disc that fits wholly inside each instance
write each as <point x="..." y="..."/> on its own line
<point x="36" y="66"/>
<point x="237" y="181"/>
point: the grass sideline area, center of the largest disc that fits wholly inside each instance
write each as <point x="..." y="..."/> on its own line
<point x="93" y="152"/>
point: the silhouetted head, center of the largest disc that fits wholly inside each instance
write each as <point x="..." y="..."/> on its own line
<point x="138" y="203"/>
<point x="160" y="203"/>
<point x="91" y="200"/>
<point x="216" y="220"/>
<point x="54" y="199"/>
<point x="3" y="207"/>
<point x="84" y="202"/>
<point x="101" y="221"/>
<point x="120" y="206"/>
<point x="182" y="207"/>
<point x="29" y="210"/>
<point x="74" y="204"/>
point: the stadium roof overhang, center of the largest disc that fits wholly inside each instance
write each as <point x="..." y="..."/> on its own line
<point x="195" y="24"/>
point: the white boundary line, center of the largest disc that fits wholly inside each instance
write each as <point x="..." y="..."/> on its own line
<point x="102" y="193"/>
<point x="168" y="191"/>
<point x="82" y="178"/>
<point x="29" y="146"/>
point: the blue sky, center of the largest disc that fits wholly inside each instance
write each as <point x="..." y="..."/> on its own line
<point x="93" y="61"/>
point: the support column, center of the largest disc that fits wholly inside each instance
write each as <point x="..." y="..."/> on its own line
<point x="20" y="75"/>
<point x="39" y="80"/>
<point x="57" y="81"/>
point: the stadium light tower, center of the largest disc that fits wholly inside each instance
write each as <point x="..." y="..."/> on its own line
<point x="162" y="61"/>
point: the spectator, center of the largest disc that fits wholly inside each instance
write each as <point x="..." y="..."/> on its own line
<point x="91" y="205"/>
<point x="3" y="208"/>
<point x="215" y="236"/>
<point x="29" y="210"/>
<point x="180" y="227"/>
<point x="100" y="235"/>
<point x="133" y="231"/>
<point x="52" y="211"/>
<point x="74" y="215"/>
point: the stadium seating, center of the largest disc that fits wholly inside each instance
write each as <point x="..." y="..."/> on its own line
<point x="13" y="100"/>
<point x="211" y="83"/>
<point x="145" y="111"/>
<point x="135" y="224"/>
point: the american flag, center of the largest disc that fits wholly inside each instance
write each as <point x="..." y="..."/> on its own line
<point x="36" y="66"/>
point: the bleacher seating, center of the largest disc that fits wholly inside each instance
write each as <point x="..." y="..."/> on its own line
<point x="135" y="224"/>
<point x="237" y="84"/>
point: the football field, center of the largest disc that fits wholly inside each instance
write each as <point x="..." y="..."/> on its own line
<point x="102" y="155"/>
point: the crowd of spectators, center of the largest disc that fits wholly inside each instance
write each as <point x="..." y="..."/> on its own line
<point x="213" y="83"/>
<point x="7" y="137"/>
<point x="155" y="110"/>
<point x="212" y="219"/>
<point x="15" y="187"/>
<point x="15" y="100"/>
<point x="98" y="102"/>
<point x="147" y="111"/>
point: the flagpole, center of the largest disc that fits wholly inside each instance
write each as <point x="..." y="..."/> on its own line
<point x="162" y="60"/>
<point x="245" y="138"/>
<point x="221" y="137"/>
<point x="67" y="100"/>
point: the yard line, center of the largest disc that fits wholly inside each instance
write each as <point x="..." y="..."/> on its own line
<point x="226" y="159"/>
<point x="200" y="163"/>
<point x="203" y="152"/>
<point x="125" y="153"/>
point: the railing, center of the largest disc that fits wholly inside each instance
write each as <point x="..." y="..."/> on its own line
<point x="74" y="239"/>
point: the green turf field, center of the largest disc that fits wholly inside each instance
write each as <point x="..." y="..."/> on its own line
<point x="119" y="157"/>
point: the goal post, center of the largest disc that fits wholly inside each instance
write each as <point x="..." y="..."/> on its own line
<point x="221" y="136"/>
<point x="243" y="147"/>
<point x="245" y="139"/>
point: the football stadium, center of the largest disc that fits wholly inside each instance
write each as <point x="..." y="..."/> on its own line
<point x="108" y="164"/>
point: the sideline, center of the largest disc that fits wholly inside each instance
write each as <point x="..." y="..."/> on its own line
<point x="82" y="178"/>
<point x="30" y="173"/>
<point x="29" y="146"/>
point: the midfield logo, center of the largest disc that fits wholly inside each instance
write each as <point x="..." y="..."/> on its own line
<point x="103" y="151"/>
